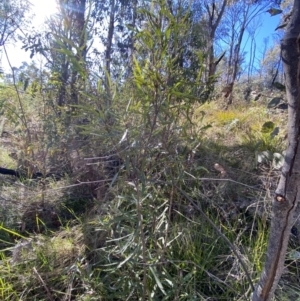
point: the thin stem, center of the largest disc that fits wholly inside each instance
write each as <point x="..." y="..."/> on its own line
<point x="140" y="219"/>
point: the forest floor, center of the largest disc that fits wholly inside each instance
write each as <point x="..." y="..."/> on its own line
<point x="103" y="233"/>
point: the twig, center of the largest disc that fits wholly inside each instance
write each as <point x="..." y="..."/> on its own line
<point x="43" y="283"/>
<point x="81" y="183"/>
<point x="227" y="180"/>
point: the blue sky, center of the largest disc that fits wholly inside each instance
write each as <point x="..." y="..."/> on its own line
<point x="269" y="25"/>
<point x="267" y="30"/>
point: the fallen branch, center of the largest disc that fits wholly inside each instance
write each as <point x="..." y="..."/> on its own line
<point x="36" y="175"/>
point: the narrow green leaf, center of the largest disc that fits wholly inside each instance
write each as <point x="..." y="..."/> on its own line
<point x="158" y="282"/>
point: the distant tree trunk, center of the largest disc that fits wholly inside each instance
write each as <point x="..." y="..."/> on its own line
<point x="230" y="58"/>
<point x="251" y="31"/>
<point x="69" y="26"/>
<point x="252" y="58"/>
<point x="236" y="55"/>
<point x="79" y="31"/>
<point x="214" y="19"/>
<point x="236" y="59"/>
<point x="131" y="39"/>
<point x="287" y="195"/>
<point x="64" y="81"/>
<point x="109" y="41"/>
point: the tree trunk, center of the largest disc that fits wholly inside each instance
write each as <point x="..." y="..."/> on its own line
<point x="287" y="195"/>
<point x="236" y="60"/>
<point x="109" y="42"/>
<point x="131" y="39"/>
<point x="230" y="58"/>
<point x="236" y="52"/>
<point x="64" y="81"/>
<point x="214" y="19"/>
<point x="79" y="31"/>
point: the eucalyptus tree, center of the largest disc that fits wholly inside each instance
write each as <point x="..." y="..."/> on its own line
<point x="116" y="22"/>
<point x="64" y="44"/>
<point x="239" y="17"/>
<point x="12" y="18"/>
<point x="12" y="22"/>
<point x="252" y="30"/>
<point x="214" y="14"/>
<point x="271" y="65"/>
<point x="69" y="31"/>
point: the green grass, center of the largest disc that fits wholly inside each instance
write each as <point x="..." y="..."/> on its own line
<point x="141" y="239"/>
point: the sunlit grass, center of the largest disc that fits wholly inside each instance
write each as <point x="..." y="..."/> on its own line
<point x="5" y="159"/>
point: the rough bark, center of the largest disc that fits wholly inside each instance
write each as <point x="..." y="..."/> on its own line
<point x="287" y="195"/>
